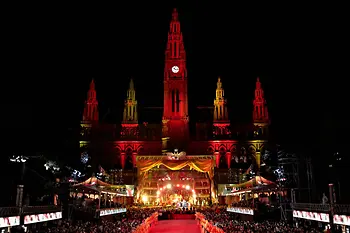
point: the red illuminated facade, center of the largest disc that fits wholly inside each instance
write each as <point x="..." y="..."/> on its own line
<point x="122" y="144"/>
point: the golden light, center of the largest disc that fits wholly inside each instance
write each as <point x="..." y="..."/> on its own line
<point x="161" y="188"/>
<point x="168" y="186"/>
<point x="144" y="198"/>
<point x="177" y="185"/>
<point x="158" y="192"/>
<point x="188" y="187"/>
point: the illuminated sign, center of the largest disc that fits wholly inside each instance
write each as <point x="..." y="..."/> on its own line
<point x="341" y="220"/>
<point x="241" y="210"/>
<point x="105" y="212"/>
<point x="9" y="221"/>
<point x="320" y="217"/>
<point x="35" y="218"/>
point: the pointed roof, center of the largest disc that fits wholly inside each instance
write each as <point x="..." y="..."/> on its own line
<point x="131" y="85"/>
<point x="175" y="15"/>
<point x="92" y="84"/>
<point x="258" y="83"/>
<point x="219" y="83"/>
<point x="93" y="181"/>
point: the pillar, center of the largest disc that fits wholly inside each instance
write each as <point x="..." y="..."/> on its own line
<point x="134" y="159"/>
<point x="217" y="158"/>
<point x="122" y="159"/>
<point x="228" y="157"/>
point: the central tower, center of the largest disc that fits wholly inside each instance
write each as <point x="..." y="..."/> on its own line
<point x="175" y="115"/>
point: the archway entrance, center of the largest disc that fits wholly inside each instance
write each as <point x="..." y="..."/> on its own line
<point x="169" y="181"/>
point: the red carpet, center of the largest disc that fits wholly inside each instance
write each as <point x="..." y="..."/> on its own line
<point x="176" y="226"/>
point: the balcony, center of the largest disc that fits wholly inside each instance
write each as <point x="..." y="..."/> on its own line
<point x="41" y="209"/>
<point x="9" y="211"/>
<point x="338" y="209"/>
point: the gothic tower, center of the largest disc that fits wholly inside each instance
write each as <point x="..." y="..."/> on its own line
<point x="260" y="114"/>
<point x="221" y="122"/>
<point x="90" y="116"/>
<point x="130" y="120"/>
<point x="91" y="105"/>
<point x="175" y="115"/>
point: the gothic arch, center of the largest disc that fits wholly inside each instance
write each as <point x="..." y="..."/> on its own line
<point x="222" y="148"/>
<point x="233" y="149"/>
<point x="140" y="150"/>
<point x="117" y="147"/>
<point x="210" y="150"/>
<point x="252" y="149"/>
<point x="129" y="148"/>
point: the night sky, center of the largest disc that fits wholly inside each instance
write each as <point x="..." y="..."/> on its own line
<point x="297" y="51"/>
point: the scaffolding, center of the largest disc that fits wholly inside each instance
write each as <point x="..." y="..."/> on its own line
<point x="296" y="177"/>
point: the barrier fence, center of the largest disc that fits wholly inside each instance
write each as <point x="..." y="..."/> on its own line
<point x="206" y="226"/>
<point x="145" y="227"/>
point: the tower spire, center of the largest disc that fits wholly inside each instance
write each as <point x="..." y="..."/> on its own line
<point x="175" y="15"/>
<point x="91" y="105"/>
<point x="175" y="114"/>
<point x="260" y="112"/>
<point x="221" y="122"/>
<point x="130" y="105"/>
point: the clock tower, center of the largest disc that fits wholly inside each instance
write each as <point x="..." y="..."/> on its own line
<point x="175" y="115"/>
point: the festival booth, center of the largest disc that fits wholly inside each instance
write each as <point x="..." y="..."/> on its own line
<point x="98" y="196"/>
<point x="169" y="181"/>
<point x="250" y="190"/>
<point x="244" y="196"/>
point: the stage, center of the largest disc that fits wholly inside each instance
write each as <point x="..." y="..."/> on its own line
<point x="176" y="226"/>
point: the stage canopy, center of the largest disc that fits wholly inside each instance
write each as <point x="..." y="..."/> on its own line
<point x="201" y="165"/>
<point x="93" y="181"/>
<point x="256" y="181"/>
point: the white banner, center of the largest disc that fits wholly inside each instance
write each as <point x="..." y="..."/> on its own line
<point x="35" y="218"/>
<point x="111" y="211"/>
<point x="320" y="217"/>
<point x="241" y="210"/>
<point x="9" y="221"/>
<point x="341" y="220"/>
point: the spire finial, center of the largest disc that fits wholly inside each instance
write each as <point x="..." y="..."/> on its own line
<point x="131" y="85"/>
<point x="257" y="79"/>
<point x="175" y="14"/>
<point x="219" y="84"/>
<point x="92" y="84"/>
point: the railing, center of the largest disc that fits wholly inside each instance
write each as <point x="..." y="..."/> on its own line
<point x="147" y="224"/>
<point x="338" y="209"/>
<point x="41" y="209"/>
<point x="341" y="209"/>
<point x="9" y="211"/>
<point x="205" y="225"/>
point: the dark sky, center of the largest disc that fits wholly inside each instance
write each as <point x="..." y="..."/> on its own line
<point x="297" y="51"/>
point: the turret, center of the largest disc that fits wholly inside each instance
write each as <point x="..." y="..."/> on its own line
<point x="260" y="113"/>
<point x="130" y="118"/>
<point x="91" y="105"/>
<point x="221" y="122"/>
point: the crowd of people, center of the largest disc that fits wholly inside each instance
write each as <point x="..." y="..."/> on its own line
<point x="134" y="218"/>
<point x="218" y="216"/>
<point x="229" y="222"/>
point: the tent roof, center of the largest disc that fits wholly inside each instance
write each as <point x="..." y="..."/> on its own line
<point x="86" y="188"/>
<point x="93" y="181"/>
<point x="256" y="181"/>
